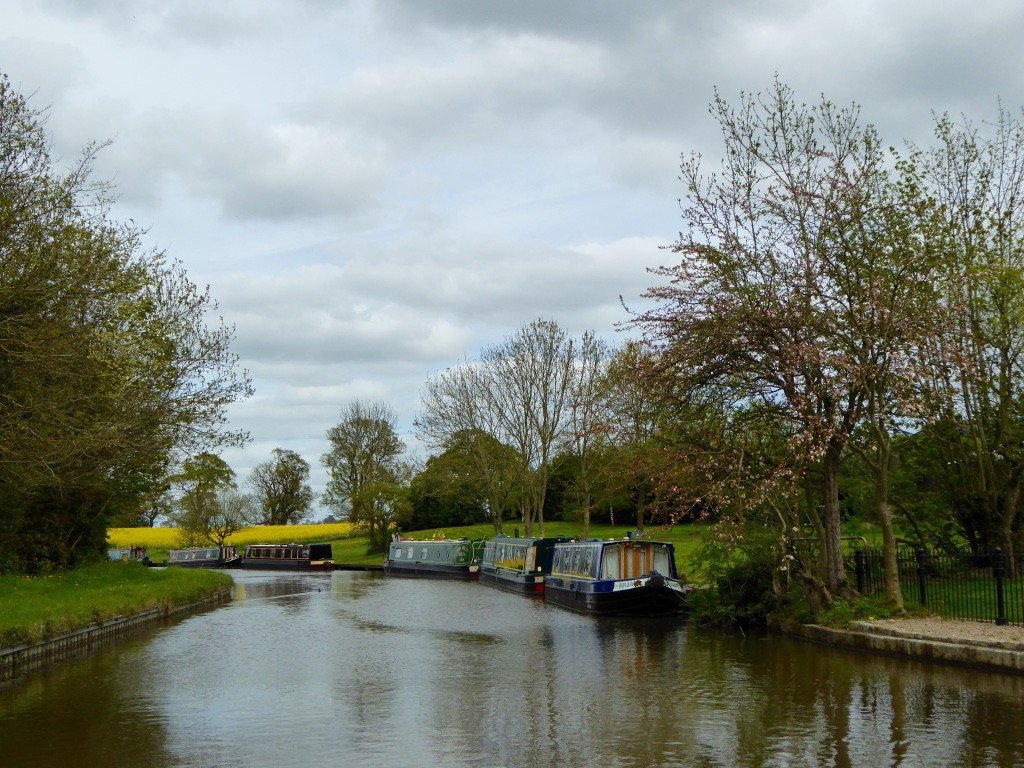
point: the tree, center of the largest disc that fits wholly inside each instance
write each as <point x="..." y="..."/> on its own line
<point x="204" y="480"/>
<point x="108" y="369"/>
<point x="529" y="380"/>
<point x="446" y="492"/>
<point x="282" y="491"/>
<point x="213" y="520"/>
<point x="457" y="417"/>
<point x="977" y="179"/>
<point x="368" y="485"/>
<point x="587" y="419"/>
<point x="766" y="308"/>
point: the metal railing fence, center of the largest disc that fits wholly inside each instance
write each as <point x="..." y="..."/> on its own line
<point x="958" y="585"/>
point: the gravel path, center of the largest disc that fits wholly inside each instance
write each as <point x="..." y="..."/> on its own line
<point x="949" y="630"/>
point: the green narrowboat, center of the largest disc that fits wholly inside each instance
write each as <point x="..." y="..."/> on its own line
<point x="205" y="557"/>
<point x="518" y="564"/>
<point x="434" y="558"/>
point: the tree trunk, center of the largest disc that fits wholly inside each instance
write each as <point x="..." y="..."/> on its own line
<point x="835" y="573"/>
<point x="1010" y="503"/>
<point x="890" y="572"/>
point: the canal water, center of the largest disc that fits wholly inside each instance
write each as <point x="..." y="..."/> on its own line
<point x="355" y="669"/>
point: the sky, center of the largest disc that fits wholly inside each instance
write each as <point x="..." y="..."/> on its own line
<point x="377" y="190"/>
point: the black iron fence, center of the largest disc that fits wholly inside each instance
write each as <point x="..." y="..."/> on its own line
<point x="958" y="585"/>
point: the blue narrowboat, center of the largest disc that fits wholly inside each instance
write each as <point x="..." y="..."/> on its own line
<point x="434" y="558"/>
<point x="622" y="577"/>
<point x="518" y="564"/>
<point x="289" y="557"/>
<point x="205" y="557"/>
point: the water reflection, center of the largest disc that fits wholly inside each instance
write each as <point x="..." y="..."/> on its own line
<point x="355" y="669"/>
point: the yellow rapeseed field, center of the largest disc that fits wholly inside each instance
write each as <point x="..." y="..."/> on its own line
<point x="166" y="538"/>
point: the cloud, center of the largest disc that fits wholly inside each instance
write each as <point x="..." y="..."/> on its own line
<point x="376" y="189"/>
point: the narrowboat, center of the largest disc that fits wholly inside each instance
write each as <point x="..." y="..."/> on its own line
<point x="434" y="558"/>
<point x="130" y="555"/>
<point x="205" y="557"/>
<point x="518" y="564"/>
<point x="622" y="577"/>
<point x="289" y="557"/>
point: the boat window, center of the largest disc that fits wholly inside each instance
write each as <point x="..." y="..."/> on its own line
<point x="662" y="562"/>
<point x="587" y="559"/>
<point x="398" y="553"/>
<point x="610" y="563"/>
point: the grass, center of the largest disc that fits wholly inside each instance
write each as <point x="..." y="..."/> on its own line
<point x="36" y="608"/>
<point x="971" y="598"/>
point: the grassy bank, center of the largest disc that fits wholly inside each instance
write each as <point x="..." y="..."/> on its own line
<point x="33" y="609"/>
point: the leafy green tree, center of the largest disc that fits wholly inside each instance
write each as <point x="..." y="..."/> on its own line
<point x="203" y="480"/>
<point x="447" y="493"/>
<point x="369" y="482"/>
<point x="281" y="485"/>
<point x="976" y="175"/>
<point x="213" y="520"/>
<point x="108" y="369"/>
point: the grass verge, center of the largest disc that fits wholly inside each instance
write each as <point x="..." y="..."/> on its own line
<point x="37" y="608"/>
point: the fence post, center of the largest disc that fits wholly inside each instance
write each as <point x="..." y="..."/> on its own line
<point x="922" y="575"/>
<point x="858" y="559"/>
<point x="999" y="571"/>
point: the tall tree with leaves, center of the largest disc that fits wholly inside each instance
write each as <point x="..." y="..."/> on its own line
<point x="203" y="480"/>
<point x="108" y="369"/>
<point x="976" y="175"/>
<point x="281" y="488"/>
<point x="765" y="305"/>
<point x="369" y="483"/>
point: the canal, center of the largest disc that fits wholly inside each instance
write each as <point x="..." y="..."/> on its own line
<point x="354" y="669"/>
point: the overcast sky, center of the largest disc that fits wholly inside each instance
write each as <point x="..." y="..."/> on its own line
<point x="374" y="190"/>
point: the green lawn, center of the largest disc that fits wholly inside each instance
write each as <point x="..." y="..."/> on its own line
<point x="34" y="608"/>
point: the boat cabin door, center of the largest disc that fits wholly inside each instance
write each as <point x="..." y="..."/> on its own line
<point x="636" y="560"/>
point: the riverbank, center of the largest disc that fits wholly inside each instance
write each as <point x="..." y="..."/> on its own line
<point x="28" y="656"/>
<point x="948" y="641"/>
<point x="38" y="608"/>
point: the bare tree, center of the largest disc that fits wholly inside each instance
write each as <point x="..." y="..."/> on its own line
<point x="456" y="415"/>
<point x="587" y="417"/>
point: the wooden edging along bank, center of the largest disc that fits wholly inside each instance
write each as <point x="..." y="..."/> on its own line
<point x="995" y="656"/>
<point x="32" y="655"/>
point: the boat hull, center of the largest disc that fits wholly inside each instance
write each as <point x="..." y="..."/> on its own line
<point x="512" y="581"/>
<point x="647" y="596"/>
<point x="431" y="570"/>
<point x="269" y="564"/>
